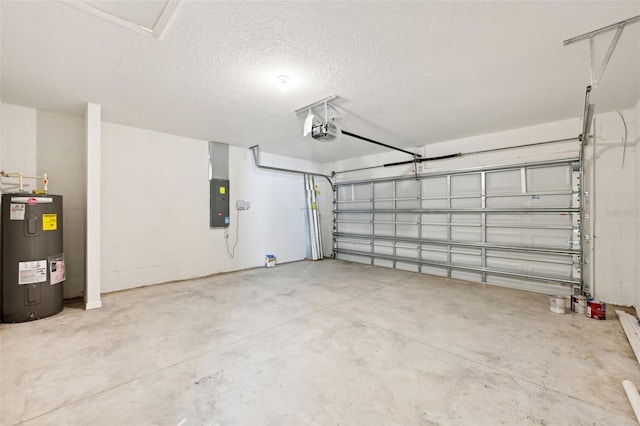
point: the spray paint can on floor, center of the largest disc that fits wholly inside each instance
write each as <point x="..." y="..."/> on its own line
<point x="596" y="309"/>
<point x="579" y="304"/>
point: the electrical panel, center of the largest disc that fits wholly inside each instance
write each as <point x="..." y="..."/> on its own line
<point x="219" y="200"/>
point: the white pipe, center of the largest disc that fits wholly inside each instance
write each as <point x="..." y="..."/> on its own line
<point x="634" y="398"/>
<point x="21" y="177"/>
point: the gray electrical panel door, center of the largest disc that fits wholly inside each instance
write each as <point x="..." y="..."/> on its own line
<point x="219" y="199"/>
<point x="32" y="257"/>
<point x="218" y="185"/>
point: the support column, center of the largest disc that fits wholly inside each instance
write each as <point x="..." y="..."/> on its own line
<point x="93" y="192"/>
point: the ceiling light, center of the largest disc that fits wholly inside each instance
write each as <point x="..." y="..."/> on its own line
<point x="284" y="83"/>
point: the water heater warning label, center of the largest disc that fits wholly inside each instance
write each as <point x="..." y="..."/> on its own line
<point x="56" y="269"/>
<point x="32" y="272"/>
<point x="49" y="222"/>
<point x="16" y="212"/>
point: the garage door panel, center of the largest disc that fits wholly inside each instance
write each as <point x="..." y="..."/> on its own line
<point x="408" y="204"/>
<point x="466" y="259"/>
<point x="528" y="201"/>
<point x="356" y="205"/>
<point x="530" y="256"/>
<point x="407" y="188"/>
<point x="523" y="284"/>
<point x="466" y="233"/>
<point x="515" y="226"/>
<point x="411" y="218"/>
<point x="466" y="275"/>
<point x="390" y="204"/>
<point x="411" y="267"/>
<point x="529" y="237"/>
<point x="383" y="249"/>
<point x="435" y="256"/>
<point x="434" y="187"/>
<point x="383" y="190"/>
<point x="383" y="229"/>
<point x="408" y="231"/>
<point x="530" y="219"/>
<point x="503" y="182"/>
<point x="362" y="192"/>
<point x="411" y="253"/>
<point x="466" y="203"/>
<point x="466" y="185"/>
<point x="353" y="245"/>
<point x="435" y="204"/>
<point x="429" y="218"/>
<point x="383" y="217"/>
<point x="548" y="179"/>
<point x="385" y="263"/>
<point x="471" y="219"/>
<point x="531" y="267"/>
<point x="353" y="228"/>
<point x="360" y="259"/>
<point x="343" y="193"/>
<point x="433" y="270"/>
<point x="434" y="232"/>
<point x="353" y="223"/>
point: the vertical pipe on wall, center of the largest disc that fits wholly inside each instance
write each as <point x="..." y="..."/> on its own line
<point x="93" y="193"/>
<point x="315" y="236"/>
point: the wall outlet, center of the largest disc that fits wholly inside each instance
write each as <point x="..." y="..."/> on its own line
<point x="242" y="205"/>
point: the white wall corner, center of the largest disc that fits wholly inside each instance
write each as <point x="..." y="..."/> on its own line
<point x="636" y="144"/>
<point x="93" y="196"/>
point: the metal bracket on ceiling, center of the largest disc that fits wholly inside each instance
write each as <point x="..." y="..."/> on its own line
<point x="324" y="101"/>
<point x="597" y="72"/>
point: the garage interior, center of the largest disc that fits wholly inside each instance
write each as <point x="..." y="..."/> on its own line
<point x="324" y="213"/>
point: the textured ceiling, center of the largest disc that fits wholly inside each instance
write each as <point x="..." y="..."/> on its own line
<point x="407" y="73"/>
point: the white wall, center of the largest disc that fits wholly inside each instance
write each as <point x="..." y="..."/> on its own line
<point x="615" y="198"/>
<point x="156" y="210"/>
<point x="18" y="143"/>
<point x="616" y="233"/>
<point x="60" y="155"/>
<point x="637" y="209"/>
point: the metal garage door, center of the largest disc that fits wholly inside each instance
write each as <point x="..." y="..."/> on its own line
<point x="515" y="226"/>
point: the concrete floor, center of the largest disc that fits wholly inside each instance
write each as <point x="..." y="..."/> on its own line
<point x="328" y="343"/>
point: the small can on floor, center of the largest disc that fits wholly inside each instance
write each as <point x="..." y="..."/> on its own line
<point x="269" y="261"/>
<point x="558" y="304"/>
<point x="596" y="309"/>
<point x="579" y="304"/>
